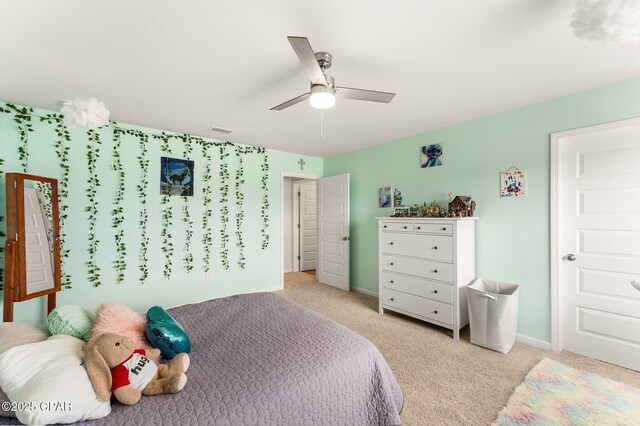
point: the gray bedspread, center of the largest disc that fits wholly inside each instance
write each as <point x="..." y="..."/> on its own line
<point x="260" y="359"/>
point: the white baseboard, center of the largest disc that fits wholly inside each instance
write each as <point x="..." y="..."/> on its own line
<point x="286" y="271"/>
<point x="532" y="341"/>
<point x="362" y="290"/>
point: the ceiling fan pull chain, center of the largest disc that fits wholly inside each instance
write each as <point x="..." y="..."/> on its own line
<point x="321" y="125"/>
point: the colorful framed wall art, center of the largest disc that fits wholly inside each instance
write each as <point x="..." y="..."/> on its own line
<point x="176" y="176"/>
<point x="385" y="197"/>
<point x="513" y="183"/>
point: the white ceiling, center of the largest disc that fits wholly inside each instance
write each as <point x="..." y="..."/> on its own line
<point x="186" y="65"/>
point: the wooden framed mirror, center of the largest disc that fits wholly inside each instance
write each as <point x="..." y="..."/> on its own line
<point x="32" y="249"/>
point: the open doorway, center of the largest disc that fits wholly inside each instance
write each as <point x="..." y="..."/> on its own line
<point x="298" y="223"/>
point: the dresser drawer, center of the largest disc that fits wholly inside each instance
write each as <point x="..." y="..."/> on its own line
<point x="435" y="247"/>
<point x="396" y="226"/>
<point x="418" y="286"/>
<point x="431" y="309"/>
<point x="433" y="228"/>
<point x="423" y="268"/>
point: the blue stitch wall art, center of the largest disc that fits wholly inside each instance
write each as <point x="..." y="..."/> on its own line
<point x="430" y="155"/>
<point x="176" y="176"/>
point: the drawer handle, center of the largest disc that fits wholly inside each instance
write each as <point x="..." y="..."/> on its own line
<point x="391" y="264"/>
<point x="443" y="229"/>
<point x="405" y="227"/>
<point x="391" y="243"/>
<point x="392" y="299"/>
<point x="384" y="226"/>
<point x="435" y="271"/>
<point x="435" y="312"/>
<point x="434" y="291"/>
<point x="391" y="282"/>
<point x="418" y="227"/>
<point x="435" y="247"/>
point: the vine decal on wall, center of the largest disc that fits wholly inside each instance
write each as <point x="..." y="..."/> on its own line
<point x="93" y="153"/>
<point x="143" y="163"/>
<point x="224" y="208"/>
<point x="265" y="201"/>
<point x="117" y="214"/>
<point x="186" y="213"/>
<point x="167" y="216"/>
<point x="207" y="214"/>
<point x="22" y="119"/>
<point x="239" y="209"/>
<point x="62" y="152"/>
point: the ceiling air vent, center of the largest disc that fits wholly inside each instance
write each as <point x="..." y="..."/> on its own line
<point x="220" y="129"/>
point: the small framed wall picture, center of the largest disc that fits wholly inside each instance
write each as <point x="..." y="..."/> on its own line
<point x="385" y="197"/>
<point x="513" y="183"/>
<point x="176" y="176"/>
<point x="430" y="155"/>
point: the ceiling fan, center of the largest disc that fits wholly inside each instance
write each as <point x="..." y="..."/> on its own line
<point x="323" y="91"/>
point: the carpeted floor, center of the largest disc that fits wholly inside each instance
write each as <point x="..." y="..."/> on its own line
<point x="444" y="382"/>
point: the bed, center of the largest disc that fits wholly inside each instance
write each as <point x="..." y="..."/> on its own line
<point x="262" y="359"/>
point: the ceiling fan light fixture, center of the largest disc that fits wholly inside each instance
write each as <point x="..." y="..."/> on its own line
<point x="322" y="97"/>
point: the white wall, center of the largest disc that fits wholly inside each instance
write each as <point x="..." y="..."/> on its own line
<point x="287" y="223"/>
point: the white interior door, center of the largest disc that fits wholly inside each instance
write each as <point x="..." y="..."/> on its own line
<point x="38" y="254"/>
<point x="599" y="241"/>
<point x="308" y="227"/>
<point x="333" y="231"/>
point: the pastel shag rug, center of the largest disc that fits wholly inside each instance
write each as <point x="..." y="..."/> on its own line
<point x="555" y="394"/>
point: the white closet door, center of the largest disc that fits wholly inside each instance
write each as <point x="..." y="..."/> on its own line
<point x="599" y="223"/>
<point x="333" y="231"/>
<point x="308" y="227"/>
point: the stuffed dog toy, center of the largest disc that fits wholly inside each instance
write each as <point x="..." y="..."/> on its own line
<point x="114" y="366"/>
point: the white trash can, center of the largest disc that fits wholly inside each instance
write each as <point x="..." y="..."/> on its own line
<point x="493" y="314"/>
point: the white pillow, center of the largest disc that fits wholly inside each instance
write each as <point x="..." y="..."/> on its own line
<point x="46" y="372"/>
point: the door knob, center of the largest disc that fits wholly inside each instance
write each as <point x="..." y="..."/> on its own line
<point x="636" y="284"/>
<point x="347" y="239"/>
<point x="570" y="257"/>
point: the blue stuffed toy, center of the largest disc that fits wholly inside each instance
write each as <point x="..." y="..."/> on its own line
<point x="166" y="334"/>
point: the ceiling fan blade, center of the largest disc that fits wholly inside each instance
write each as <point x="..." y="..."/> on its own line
<point x="291" y="102"/>
<point x="363" y="95"/>
<point x="303" y="49"/>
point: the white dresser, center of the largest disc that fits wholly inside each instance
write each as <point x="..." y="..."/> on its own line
<point x="424" y="267"/>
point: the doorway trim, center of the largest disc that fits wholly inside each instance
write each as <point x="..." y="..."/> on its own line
<point x="557" y="296"/>
<point x="283" y="175"/>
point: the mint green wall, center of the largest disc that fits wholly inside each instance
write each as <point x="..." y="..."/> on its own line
<point x="262" y="269"/>
<point x="512" y="237"/>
